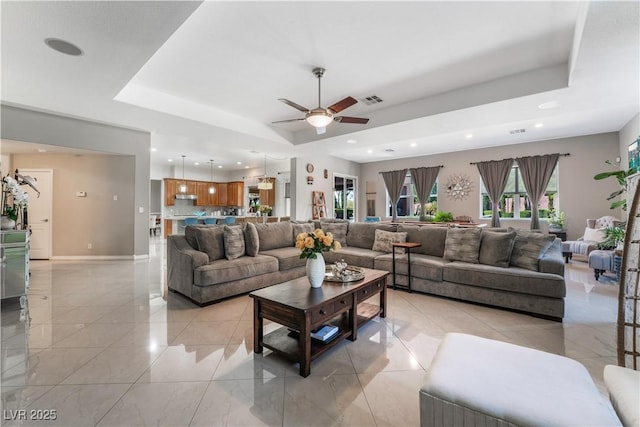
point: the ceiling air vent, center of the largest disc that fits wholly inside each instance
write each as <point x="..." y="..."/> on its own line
<point x="516" y="131"/>
<point x="370" y="100"/>
<point x="390" y="150"/>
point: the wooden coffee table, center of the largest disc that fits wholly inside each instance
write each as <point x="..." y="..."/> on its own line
<point x="300" y="308"/>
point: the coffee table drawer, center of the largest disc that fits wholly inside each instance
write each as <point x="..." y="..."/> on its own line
<point x="281" y="316"/>
<point x="372" y="289"/>
<point x="327" y="311"/>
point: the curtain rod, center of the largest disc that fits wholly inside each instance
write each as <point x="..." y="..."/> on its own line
<point x="439" y="166"/>
<point x="514" y="158"/>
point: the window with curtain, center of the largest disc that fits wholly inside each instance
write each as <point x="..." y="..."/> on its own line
<point x="515" y="203"/>
<point x="409" y="205"/>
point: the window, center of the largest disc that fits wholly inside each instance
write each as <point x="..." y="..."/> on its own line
<point x="515" y="203"/>
<point x="344" y="197"/>
<point x="409" y="205"/>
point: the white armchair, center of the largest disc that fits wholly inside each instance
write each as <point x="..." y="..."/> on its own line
<point x="593" y="234"/>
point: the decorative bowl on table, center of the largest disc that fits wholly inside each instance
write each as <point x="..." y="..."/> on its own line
<point x="200" y="213"/>
<point x="341" y="272"/>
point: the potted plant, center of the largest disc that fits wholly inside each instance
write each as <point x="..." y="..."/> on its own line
<point x="556" y="220"/>
<point x="613" y="237"/>
<point x="442" y="216"/>
<point x="621" y="176"/>
<point x="311" y="245"/>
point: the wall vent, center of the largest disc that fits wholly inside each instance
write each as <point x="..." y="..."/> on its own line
<point x="370" y="100"/>
<point x="516" y="131"/>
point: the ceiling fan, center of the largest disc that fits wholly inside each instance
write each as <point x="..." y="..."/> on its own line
<point x="321" y="117"/>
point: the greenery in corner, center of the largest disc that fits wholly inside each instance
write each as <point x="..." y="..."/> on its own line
<point x="557" y="219"/>
<point x="613" y="236"/>
<point x="621" y="176"/>
<point x="441" y="216"/>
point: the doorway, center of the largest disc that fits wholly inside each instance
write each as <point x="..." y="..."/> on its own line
<point x="344" y="197"/>
<point x="39" y="212"/>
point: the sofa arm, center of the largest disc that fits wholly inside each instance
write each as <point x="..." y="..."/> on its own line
<point x="552" y="260"/>
<point x="182" y="260"/>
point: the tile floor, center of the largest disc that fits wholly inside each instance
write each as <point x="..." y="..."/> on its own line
<point x="104" y="344"/>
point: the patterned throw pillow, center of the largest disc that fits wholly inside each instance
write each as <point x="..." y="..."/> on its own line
<point x="528" y="248"/>
<point x="384" y="240"/>
<point x="233" y="241"/>
<point x="463" y="244"/>
<point x="496" y="248"/>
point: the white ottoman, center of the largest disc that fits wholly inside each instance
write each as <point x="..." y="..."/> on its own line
<point x="477" y="381"/>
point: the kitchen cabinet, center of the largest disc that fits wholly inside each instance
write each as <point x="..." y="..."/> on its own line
<point x="222" y="194"/>
<point x="204" y="197"/>
<point x="268" y="197"/>
<point x="235" y="193"/>
<point x="191" y="186"/>
<point x="170" y="189"/>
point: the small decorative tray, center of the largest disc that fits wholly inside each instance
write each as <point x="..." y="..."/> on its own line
<point x="350" y="274"/>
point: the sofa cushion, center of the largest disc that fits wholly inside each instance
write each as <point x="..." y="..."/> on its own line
<point x="251" y="239"/>
<point x="190" y="234"/>
<point x="275" y="235"/>
<point x="288" y="258"/>
<point x="338" y="230"/>
<point x="462" y="244"/>
<point x="298" y="228"/>
<point x="496" y="248"/>
<point x="209" y="240"/>
<point x="224" y="270"/>
<point x="422" y="266"/>
<point x="363" y="234"/>
<point x="384" y="240"/>
<point x="431" y="238"/>
<point x="353" y="256"/>
<point x="512" y="279"/>
<point x="528" y="248"/>
<point x="594" y="235"/>
<point x="233" y="241"/>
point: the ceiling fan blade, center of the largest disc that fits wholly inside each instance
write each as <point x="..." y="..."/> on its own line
<point x="294" y="105"/>
<point x="286" y="121"/>
<point x="356" y="120"/>
<point x="341" y="105"/>
<point x="320" y="131"/>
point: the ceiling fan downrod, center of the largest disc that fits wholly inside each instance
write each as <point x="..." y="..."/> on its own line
<point x="319" y="73"/>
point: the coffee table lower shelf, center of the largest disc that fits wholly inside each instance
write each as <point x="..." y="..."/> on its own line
<point x="286" y="342"/>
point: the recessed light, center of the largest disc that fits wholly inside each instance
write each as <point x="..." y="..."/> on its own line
<point x="538" y="125"/>
<point x="42" y="150"/>
<point x="469" y="136"/>
<point x="219" y="166"/>
<point x="197" y="163"/>
<point x="549" y="105"/>
<point x="170" y="160"/>
<point x="63" y="46"/>
<point x="369" y="151"/>
<point x="413" y="144"/>
<point x="246" y="167"/>
<point x="351" y="141"/>
<point x="154" y="149"/>
<point x="238" y="163"/>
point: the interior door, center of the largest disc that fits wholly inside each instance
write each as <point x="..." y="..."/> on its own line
<point x="39" y="212"/>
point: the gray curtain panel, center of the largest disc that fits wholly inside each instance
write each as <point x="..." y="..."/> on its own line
<point x="536" y="172"/>
<point x="423" y="179"/>
<point x="394" y="180"/>
<point x="495" y="175"/>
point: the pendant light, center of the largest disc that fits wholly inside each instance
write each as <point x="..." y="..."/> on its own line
<point x="264" y="183"/>
<point x="183" y="186"/>
<point x="212" y="188"/>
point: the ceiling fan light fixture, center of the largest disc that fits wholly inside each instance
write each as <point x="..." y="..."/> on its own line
<point x="319" y="119"/>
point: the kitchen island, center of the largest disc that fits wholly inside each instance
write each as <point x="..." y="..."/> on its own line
<point x="175" y="224"/>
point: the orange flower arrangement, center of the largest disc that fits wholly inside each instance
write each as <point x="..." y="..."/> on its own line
<point x="312" y="243"/>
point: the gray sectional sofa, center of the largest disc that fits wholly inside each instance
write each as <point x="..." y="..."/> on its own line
<point x="514" y="269"/>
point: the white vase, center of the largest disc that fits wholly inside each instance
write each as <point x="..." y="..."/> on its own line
<point x="315" y="271"/>
<point x="264" y="218"/>
<point x="7" y="223"/>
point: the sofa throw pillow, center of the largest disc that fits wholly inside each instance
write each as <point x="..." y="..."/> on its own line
<point x="496" y="247"/>
<point x="251" y="240"/>
<point x="298" y="228"/>
<point x="338" y="230"/>
<point x="593" y="235"/>
<point x="233" y="241"/>
<point x="528" y="248"/>
<point x="462" y="244"/>
<point x="210" y="240"/>
<point x="384" y="240"/>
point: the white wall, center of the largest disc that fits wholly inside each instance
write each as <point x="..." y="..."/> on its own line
<point x="301" y="203"/>
<point x="581" y="197"/>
